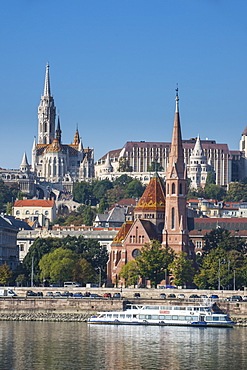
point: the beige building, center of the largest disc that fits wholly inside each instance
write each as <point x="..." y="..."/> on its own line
<point x="41" y="210"/>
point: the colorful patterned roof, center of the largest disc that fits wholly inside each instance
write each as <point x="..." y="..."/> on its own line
<point x="153" y="198"/>
<point x="122" y="232"/>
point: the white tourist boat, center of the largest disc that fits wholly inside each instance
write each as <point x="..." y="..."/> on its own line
<point x="163" y="315"/>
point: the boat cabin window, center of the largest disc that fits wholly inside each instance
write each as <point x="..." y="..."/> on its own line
<point x="168" y="317"/>
<point x="122" y="316"/>
<point x="155" y="317"/>
<point x="182" y="318"/>
<point x="128" y="316"/>
<point x="162" y="317"/>
<point x="174" y="317"/>
<point x="216" y="318"/>
<point x="109" y="315"/>
<point x="115" y="315"/>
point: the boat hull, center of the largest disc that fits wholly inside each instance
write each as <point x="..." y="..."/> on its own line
<point x="193" y="324"/>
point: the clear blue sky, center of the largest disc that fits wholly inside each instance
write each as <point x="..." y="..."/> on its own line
<point x="114" y="66"/>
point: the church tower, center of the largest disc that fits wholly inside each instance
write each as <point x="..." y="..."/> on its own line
<point x="46" y="113"/>
<point x="175" y="233"/>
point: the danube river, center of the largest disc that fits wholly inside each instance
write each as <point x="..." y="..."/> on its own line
<point x="56" y="346"/>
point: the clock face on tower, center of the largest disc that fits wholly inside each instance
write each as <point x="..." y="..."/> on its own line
<point x="135" y="253"/>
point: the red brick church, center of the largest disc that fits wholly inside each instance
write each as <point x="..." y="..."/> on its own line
<point x="159" y="215"/>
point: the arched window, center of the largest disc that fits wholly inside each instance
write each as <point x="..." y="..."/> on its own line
<point x="180" y="189"/>
<point x="173" y="218"/>
<point x="167" y="189"/>
<point x="173" y="188"/>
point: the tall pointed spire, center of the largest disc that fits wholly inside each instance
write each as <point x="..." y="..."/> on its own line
<point x="176" y="156"/>
<point x="46" y="113"/>
<point x="47" y="88"/>
<point x="58" y="130"/>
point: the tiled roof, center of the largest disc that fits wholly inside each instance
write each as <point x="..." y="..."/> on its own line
<point x="34" y="203"/>
<point x="153" y="198"/>
<point x="122" y="233"/>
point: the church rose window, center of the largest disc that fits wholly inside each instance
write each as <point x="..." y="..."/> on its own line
<point x="135" y="253"/>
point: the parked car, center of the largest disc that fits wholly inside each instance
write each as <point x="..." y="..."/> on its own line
<point x="244" y="298"/>
<point x="78" y="295"/>
<point x="163" y="295"/>
<point x="181" y="296"/>
<point x="107" y="295"/>
<point x="137" y="295"/>
<point x="214" y="296"/>
<point x="95" y="295"/>
<point x="235" y="298"/>
<point x="171" y="295"/>
<point x="116" y="295"/>
<point x="40" y="294"/>
<point x="49" y="294"/>
<point x="30" y="293"/>
<point x="193" y="296"/>
<point x="203" y="296"/>
<point x="66" y="294"/>
<point x="57" y="295"/>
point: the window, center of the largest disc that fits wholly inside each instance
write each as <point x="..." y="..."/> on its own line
<point x="173" y="188"/>
<point x="173" y="218"/>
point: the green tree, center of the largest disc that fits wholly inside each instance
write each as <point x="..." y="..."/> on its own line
<point x="115" y="194"/>
<point x="100" y="188"/>
<point x="82" y="192"/>
<point x="58" y="265"/>
<point x="6" y="274"/>
<point x="213" y="191"/>
<point x="88" y="216"/>
<point x="83" y="272"/>
<point x="237" y="192"/>
<point x="222" y="238"/>
<point x="38" y="249"/>
<point x="134" y="189"/>
<point x="122" y="180"/>
<point x="124" y="165"/>
<point x="21" y="279"/>
<point x="153" y="261"/>
<point x="103" y="205"/>
<point x="182" y="269"/>
<point x="219" y="269"/>
<point x="130" y="273"/>
<point x="9" y="208"/>
<point x="210" y="178"/>
<point x="155" y="167"/>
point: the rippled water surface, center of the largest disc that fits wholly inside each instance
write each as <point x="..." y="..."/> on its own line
<point x="52" y="345"/>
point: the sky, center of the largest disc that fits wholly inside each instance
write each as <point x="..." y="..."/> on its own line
<point x="114" y="68"/>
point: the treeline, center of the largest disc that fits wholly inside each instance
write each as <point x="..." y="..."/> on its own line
<point x="54" y="260"/>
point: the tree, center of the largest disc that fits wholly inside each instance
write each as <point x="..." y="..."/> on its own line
<point x="134" y="189"/>
<point x="130" y="273"/>
<point x="103" y="205"/>
<point x="58" y="265"/>
<point x="100" y="187"/>
<point x="222" y="238"/>
<point x="9" y="208"/>
<point x="124" y="165"/>
<point x="82" y="192"/>
<point x="88" y="216"/>
<point x="155" y="167"/>
<point x="213" y="191"/>
<point x="83" y="272"/>
<point x="182" y="269"/>
<point x="153" y="261"/>
<point x="38" y="249"/>
<point x="210" y="178"/>
<point x="5" y="274"/>
<point x="21" y="279"/>
<point x="122" y="180"/>
<point x="237" y="192"/>
<point x="220" y="268"/>
<point x="115" y="194"/>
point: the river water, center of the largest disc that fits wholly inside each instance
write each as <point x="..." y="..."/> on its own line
<point x="70" y="345"/>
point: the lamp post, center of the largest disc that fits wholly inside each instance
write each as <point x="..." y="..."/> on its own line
<point x="100" y="277"/>
<point x="219" y="276"/>
<point x="32" y="273"/>
<point x="234" y="280"/>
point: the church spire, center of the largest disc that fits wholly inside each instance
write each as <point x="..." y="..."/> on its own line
<point x="46" y="113"/>
<point x="176" y="157"/>
<point x="58" y="130"/>
<point x="47" y="88"/>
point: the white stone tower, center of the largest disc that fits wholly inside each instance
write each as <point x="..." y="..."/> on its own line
<point x="46" y="114"/>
